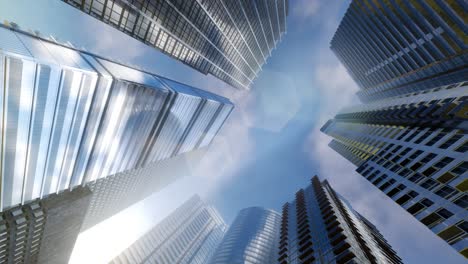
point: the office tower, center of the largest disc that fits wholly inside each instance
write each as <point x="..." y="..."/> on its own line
<point x="188" y="235"/>
<point x="392" y="48"/>
<point x="320" y="226"/>
<point x="229" y="39"/>
<point x="43" y="231"/>
<point x="70" y="118"/>
<point x="252" y="238"/>
<point x="410" y="138"/>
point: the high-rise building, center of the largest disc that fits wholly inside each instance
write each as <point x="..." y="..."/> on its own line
<point x="410" y="137"/>
<point x="319" y="226"/>
<point x="70" y="118"/>
<point x="43" y="231"/>
<point x="229" y="39"/>
<point x="413" y="148"/>
<point x="118" y="192"/>
<point x="188" y="235"/>
<point x="252" y="238"/>
<point x="397" y="47"/>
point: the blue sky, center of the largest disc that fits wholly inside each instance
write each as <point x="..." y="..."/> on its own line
<point x="269" y="148"/>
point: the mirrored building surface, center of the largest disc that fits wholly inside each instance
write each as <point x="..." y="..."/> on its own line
<point x="320" y="226"/>
<point x="188" y="235"/>
<point x="70" y="118"/>
<point x="229" y="39"/>
<point x="252" y="238"/>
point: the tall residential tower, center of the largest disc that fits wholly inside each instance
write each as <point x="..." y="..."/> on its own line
<point x="230" y="39"/>
<point x="319" y="226"/>
<point x="252" y="238"/>
<point x="410" y="137"/>
<point x="396" y="47"/>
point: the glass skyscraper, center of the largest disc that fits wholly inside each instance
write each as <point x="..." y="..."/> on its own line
<point x="410" y="137"/>
<point x="252" y="238"/>
<point x="319" y="226"/>
<point x="189" y="235"/>
<point x="397" y="47"/>
<point x="230" y="39"/>
<point x="70" y="118"/>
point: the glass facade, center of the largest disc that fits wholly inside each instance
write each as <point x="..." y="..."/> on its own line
<point x="188" y="235"/>
<point x="70" y="118"/>
<point x="319" y="226"/>
<point x="228" y="39"/>
<point x="414" y="149"/>
<point x="252" y="238"/>
<point x="397" y="47"/>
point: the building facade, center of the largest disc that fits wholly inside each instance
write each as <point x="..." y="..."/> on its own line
<point x="319" y="226"/>
<point x="70" y="118"/>
<point x="252" y="238"/>
<point x="392" y="48"/>
<point x="409" y="138"/>
<point x="413" y="148"/>
<point x="43" y="231"/>
<point x="229" y="39"/>
<point x="188" y="235"/>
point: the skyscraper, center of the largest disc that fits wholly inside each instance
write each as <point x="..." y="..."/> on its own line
<point x="413" y="148"/>
<point x="115" y="193"/>
<point x="43" y="231"/>
<point x="252" y="238"/>
<point x="70" y="118"/>
<point x="319" y="226"/>
<point x="188" y="235"/>
<point x="229" y="39"/>
<point x="410" y="137"/>
<point x="392" y="48"/>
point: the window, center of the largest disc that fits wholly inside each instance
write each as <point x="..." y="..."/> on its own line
<point x="454" y="233"/>
<point x="428" y="158"/>
<point x="450" y="141"/>
<point x="396" y="190"/>
<point x="446" y="214"/>
<point x="403" y="199"/>
<point x="446" y="192"/>
<point x="416" y="154"/>
<point x="435" y="139"/>
<point x="462" y="201"/>
<point x="432" y="220"/>
<point x="387" y="184"/>
<point x="443" y="162"/>
<point x="405" y="172"/>
<point x="426" y="202"/>
<point x="413" y="194"/>
<point x="463" y="147"/>
<point x="461" y="168"/>
<point x="416" y="208"/>
<point x="429" y="184"/>
<point x="416" y="177"/>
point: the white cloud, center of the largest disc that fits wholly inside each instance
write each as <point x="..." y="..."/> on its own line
<point x="306" y="8"/>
